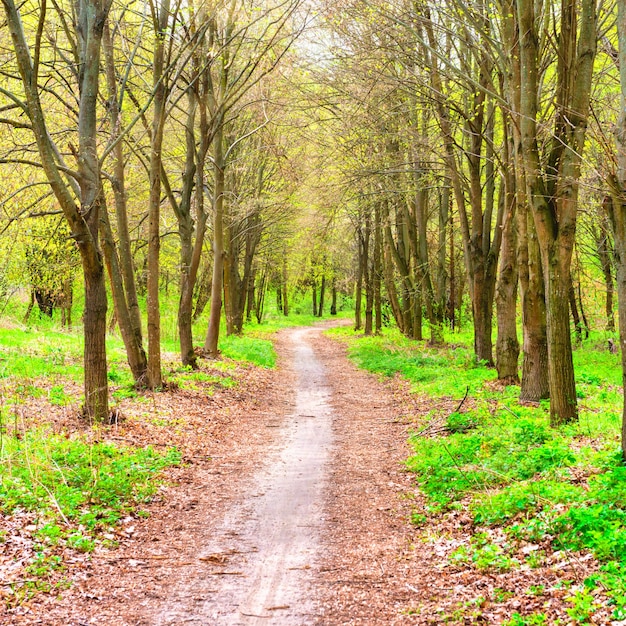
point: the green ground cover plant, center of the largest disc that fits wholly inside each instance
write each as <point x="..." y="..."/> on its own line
<point x="502" y="462"/>
<point x="73" y="492"/>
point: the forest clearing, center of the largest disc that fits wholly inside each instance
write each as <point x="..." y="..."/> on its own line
<point x="312" y="312"/>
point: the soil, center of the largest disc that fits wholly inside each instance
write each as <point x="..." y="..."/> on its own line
<point x="292" y="508"/>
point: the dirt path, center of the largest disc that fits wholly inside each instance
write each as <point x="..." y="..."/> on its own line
<point x="261" y="552"/>
<point x="299" y="517"/>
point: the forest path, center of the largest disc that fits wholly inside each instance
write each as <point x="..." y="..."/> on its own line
<point x="261" y="551"/>
<point x="294" y="514"/>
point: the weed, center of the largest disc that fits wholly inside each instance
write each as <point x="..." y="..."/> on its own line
<point x="583" y="606"/>
<point x="57" y="396"/>
<point x="536" y="590"/>
<point x="483" y="554"/>
<point x="536" y="619"/>
<point x="501" y="595"/>
<point x="417" y="519"/>
<point x="459" y="422"/>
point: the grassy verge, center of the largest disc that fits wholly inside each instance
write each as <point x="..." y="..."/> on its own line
<point x="64" y="494"/>
<point x="530" y="490"/>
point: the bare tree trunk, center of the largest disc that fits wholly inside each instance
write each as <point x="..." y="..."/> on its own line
<point x="320" y="309"/>
<point x="535" y="384"/>
<point x="212" y="338"/>
<point x="128" y="298"/>
<point x="333" y="305"/>
<point x="83" y="221"/>
<point x="134" y="350"/>
<point x="617" y="208"/>
<point x="361" y="270"/>
<point x="284" y="284"/>
<point x="604" y="252"/>
<point x="507" y="344"/>
<point x="154" y="215"/>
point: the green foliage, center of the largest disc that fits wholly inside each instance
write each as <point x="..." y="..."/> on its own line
<point x="70" y="479"/>
<point x="249" y="349"/>
<point x="536" y="619"/>
<point x="484" y="555"/>
<point x="459" y="422"/>
<point x="583" y="606"/>
<point x="189" y="379"/>
<point x="446" y="371"/>
<point x="561" y="487"/>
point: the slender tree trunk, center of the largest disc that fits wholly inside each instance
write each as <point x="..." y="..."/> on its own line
<point x="320" y="310"/>
<point x="185" y="233"/>
<point x="136" y="355"/>
<point x="212" y="338"/>
<point x="603" y="245"/>
<point x="392" y="292"/>
<point x="358" y="292"/>
<point x="333" y="305"/>
<point x="154" y="215"/>
<point x="617" y="208"/>
<point x="452" y="299"/>
<point x="284" y="285"/>
<point x="574" y="310"/>
<point x="507" y="344"/>
<point x="118" y="183"/>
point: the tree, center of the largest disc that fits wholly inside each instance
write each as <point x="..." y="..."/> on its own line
<point x="552" y="183"/>
<point x="78" y="192"/>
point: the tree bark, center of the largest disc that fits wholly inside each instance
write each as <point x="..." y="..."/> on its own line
<point x="160" y="18"/>
<point x="83" y="220"/>
<point x="507" y="344"/>
<point x="119" y="258"/>
<point x="553" y="187"/>
<point x="213" y="332"/>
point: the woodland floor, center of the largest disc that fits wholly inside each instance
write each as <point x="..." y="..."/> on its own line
<point x="218" y="547"/>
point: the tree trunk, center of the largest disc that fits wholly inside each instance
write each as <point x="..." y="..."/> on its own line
<point x="560" y="360"/>
<point x="213" y="332"/>
<point x="578" y="329"/>
<point x="617" y="208"/>
<point x="154" y="214"/>
<point x="553" y="187"/>
<point x="333" y="305"/>
<point x="603" y="245"/>
<point x="535" y="385"/>
<point x="135" y="353"/>
<point x="320" y="308"/>
<point x="507" y="344"/>
<point x="185" y="234"/>
<point x="83" y="221"/>
<point x="284" y="284"/>
<point x="391" y="289"/>
<point x="118" y="183"/>
<point x="360" y="276"/>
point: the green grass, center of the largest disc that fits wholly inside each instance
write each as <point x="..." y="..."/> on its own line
<point x="74" y="492"/>
<point x="249" y="349"/>
<point x="68" y="479"/>
<point x="503" y="463"/>
<point x="446" y="371"/>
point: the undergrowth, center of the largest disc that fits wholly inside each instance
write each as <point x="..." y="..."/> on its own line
<point x="74" y="493"/>
<point x="560" y="488"/>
